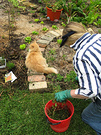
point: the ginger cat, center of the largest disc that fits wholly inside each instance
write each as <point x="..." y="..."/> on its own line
<point x="36" y="62"/>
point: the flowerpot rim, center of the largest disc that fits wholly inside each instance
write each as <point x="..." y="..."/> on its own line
<point x="59" y="120"/>
<point x="56" y="10"/>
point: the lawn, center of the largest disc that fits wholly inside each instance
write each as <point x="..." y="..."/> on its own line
<point x="22" y="113"/>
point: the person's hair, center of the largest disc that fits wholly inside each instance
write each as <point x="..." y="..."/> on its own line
<point x="78" y="28"/>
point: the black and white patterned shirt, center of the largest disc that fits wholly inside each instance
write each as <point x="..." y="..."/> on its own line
<point x="87" y="65"/>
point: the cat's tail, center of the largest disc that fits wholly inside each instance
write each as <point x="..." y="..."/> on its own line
<point x="50" y="70"/>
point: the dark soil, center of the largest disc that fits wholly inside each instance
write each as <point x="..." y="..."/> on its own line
<point x="58" y="113"/>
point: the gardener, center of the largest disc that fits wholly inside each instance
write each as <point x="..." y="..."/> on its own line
<point x="87" y="65"/>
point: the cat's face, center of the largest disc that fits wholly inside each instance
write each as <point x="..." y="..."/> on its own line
<point x="34" y="47"/>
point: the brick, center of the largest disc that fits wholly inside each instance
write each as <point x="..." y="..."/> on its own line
<point x="36" y="78"/>
<point x="55" y="33"/>
<point x="37" y="85"/>
<point x="60" y="31"/>
<point x="30" y="72"/>
<point x="45" y="42"/>
<point x="50" y="35"/>
<point x="47" y="37"/>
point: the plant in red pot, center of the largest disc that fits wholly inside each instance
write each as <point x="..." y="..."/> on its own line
<point x="54" y="8"/>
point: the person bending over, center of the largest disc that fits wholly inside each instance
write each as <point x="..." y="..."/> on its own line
<point x="87" y="65"/>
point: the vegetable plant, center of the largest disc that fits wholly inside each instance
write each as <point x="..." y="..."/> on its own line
<point x="42" y="22"/>
<point x="52" y="51"/>
<point x="59" y="41"/>
<point x="10" y="65"/>
<point x="64" y="25"/>
<point x="36" y="20"/>
<point x="54" y="27"/>
<point x="22" y="47"/>
<point x="35" y="33"/>
<point x="28" y="39"/>
<point x="45" y="29"/>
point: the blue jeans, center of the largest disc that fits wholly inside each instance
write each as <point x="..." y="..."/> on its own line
<point x="91" y="115"/>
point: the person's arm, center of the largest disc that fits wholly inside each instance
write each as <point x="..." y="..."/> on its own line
<point x="73" y="95"/>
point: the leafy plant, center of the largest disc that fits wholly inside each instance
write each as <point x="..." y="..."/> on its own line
<point x="10" y="65"/>
<point x="54" y="5"/>
<point x="31" y="11"/>
<point x="45" y="29"/>
<point x="52" y="58"/>
<point x="35" y="33"/>
<point x="59" y="41"/>
<point x="28" y="39"/>
<point x="59" y="77"/>
<point x="52" y="51"/>
<point x="64" y="25"/>
<point x="22" y="47"/>
<point x="54" y="27"/>
<point x="70" y="77"/>
<point x="36" y="20"/>
<point x="42" y="22"/>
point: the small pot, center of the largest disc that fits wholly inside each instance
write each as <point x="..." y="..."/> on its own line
<point x="53" y="15"/>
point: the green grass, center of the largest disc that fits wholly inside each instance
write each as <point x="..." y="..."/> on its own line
<point x="22" y="113"/>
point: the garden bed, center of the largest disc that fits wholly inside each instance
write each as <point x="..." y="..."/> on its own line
<point x="13" y="34"/>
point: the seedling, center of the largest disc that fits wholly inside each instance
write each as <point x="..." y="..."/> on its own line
<point x="36" y="20"/>
<point x="52" y="51"/>
<point x="42" y="22"/>
<point x="22" y="47"/>
<point x="54" y="27"/>
<point x="31" y="11"/>
<point x="59" y="41"/>
<point x="64" y="25"/>
<point x="10" y="65"/>
<point x="35" y="33"/>
<point x="28" y="39"/>
<point x="45" y="29"/>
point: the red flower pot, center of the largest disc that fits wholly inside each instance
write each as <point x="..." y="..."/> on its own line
<point x="53" y="15"/>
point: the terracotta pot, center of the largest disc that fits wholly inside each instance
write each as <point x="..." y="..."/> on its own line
<point x="53" y="15"/>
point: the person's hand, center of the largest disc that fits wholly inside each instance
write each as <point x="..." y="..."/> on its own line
<point x="62" y="95"/>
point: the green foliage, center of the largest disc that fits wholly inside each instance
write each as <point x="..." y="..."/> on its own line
<point x="45" y="29"/>
<point x="20" y="113"/>
<point x="32" y="11"/>
<point x="14" y="2"/>
<point x="52" y="51"/>
<point x="70" y="77"/>
<point x="42" y="22"/>
<point x="59" y="41"/>
<point x="59" y="77"/>
<point x="10" y="65"/>
<point x="35" y="32"/>
<point x="28" y="39"/>
<point x="36" y="20"/>
<point x="54" y="27"/>
<point x="64" y="25"/>
<point x="54" y="5"/>
<point x="22" y="47"/>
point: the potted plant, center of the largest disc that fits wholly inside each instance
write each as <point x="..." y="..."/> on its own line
<point x="54" y="8"/>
